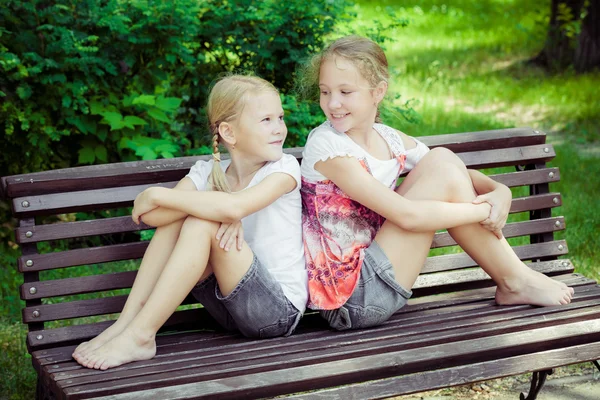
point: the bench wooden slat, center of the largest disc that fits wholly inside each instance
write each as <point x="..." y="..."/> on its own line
<point x="79" y="333"/>
<point x="374" y="366"/>
<point x="148" y="172"/>
<point x="532" y="177"/>
<point x="509" y="156"/>
<point x="492" y="139"/>
<point x="46" y="338"/>
<point x="125" y="224"/>
<point x="426" y="380"/>
<point x="101" y="306"/>
<point x="473" y="278"/>
<point x="79" y="200"/>
<point x="449" y="262"/>
<point x="513" y="229"/>
<point x="72" y="286"/>
<point x="98" y="199"/>
<point x="538" y="202"/>
<point x="92" y="255"/>
<point x="66" y="230"/>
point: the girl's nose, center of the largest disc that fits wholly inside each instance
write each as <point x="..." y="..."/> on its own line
<point x="334" y="102"/>
<point x="280" y="127"/>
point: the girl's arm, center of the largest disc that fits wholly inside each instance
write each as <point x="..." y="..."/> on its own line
<point x="162" y="216"/>
<point x="412" y="215"/>
<point x="216" y="206"/>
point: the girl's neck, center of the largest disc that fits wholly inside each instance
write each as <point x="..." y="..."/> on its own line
<point x="362" y="135"/>
<point x="241" y="171"/>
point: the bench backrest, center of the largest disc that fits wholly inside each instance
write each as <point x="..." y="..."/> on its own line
<point x="56" y="281"/>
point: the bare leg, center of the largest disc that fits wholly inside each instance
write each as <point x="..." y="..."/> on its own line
<point x="186" y="266"/>
<point x="441" y="176"/>
<point x="156" y="256"/>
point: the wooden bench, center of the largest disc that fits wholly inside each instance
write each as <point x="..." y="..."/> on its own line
<point x="451" y="332"/>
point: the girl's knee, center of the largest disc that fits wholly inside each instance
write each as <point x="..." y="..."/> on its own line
<point x="443" y="156"/>
<point x="193" y="224"/>
<point x="459" y="186"/>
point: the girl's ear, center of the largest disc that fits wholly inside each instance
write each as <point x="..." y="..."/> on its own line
<point x="227" y="134"/>
<point x="380" y="91"/>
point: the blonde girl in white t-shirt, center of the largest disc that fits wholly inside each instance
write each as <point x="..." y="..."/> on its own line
<point x="366" y="238"/>
<point x="252" y="280"/>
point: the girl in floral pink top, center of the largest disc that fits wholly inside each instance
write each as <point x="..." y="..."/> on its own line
<point x="366" y="238"/>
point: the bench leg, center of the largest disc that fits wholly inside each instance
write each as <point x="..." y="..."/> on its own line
<point x="596" y="364"/>
<point x="42" y="392"/>
<point x="537" y="381"/>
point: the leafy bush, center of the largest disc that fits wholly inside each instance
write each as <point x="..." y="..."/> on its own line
<point x="92" y="82"/>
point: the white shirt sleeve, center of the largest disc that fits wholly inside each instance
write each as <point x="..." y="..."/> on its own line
<point x="414" y="155"/>
<point x="322" y="144"/>
<point x="287" y="164"/>
<point x="199" y="173"/>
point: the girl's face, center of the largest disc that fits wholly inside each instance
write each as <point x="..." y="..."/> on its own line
<point x="260" y="130"/>
<point x="347" y="98"/>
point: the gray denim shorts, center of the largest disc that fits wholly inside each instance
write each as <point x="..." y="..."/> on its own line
<point x="257" y="306"/>
<point x="375" y="299"/>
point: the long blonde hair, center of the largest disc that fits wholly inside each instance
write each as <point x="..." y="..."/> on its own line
<point x="226" y="102"/>
<point x="363" y="53"/>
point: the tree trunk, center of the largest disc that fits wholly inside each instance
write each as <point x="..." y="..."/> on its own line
<point x="587" y="54"/>
<point x="558" y="52"/>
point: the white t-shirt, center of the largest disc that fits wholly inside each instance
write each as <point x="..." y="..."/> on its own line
<point x="274" y="233"/>
<point x="324" y="142"/>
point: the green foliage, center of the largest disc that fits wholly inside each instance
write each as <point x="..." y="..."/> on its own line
<point x="92" y="82"/>
<point x="570" y="23"/>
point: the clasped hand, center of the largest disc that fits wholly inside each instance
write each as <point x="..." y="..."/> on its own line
<point x="227" y="234"/>
<point x="500" y="201"/>
<point x="143" y="203"/>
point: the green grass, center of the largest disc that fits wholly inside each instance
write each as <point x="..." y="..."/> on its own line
<point x="464" y="64"/>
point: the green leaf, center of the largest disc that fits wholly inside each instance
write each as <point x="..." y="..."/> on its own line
<point x="87" y="155"/>
<point x="158" y="115"/>
<point x="133" y="120"/>
<point x="101" y="153"/>
<point x="114" y="119"/>
<point x="24" y="92"/>
<point x="96" y="108"/>
<point x="168" y="103"/>
<point x="144" y="99"/>
<point x="66" y="101"/>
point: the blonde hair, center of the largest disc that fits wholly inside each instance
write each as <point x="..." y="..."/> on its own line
<point x="363" y="53"/>
<point x="226" y="102"/>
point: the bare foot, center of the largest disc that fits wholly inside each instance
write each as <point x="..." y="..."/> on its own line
<point x="83" y="350"/>
<point x="126" y="347"/>
<point x="533" y="288"/>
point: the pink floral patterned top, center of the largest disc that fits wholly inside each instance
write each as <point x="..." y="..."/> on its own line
<point x="337" y="229"/>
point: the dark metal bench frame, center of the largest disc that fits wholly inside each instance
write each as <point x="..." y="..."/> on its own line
<point x="451" y="333"/>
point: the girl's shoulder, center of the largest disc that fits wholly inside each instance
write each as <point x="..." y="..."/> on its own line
<point x="287" y="164"/>
<point x="324" y="141"/>
<point x="201" y="170"/>
<point x="396" y="137"/>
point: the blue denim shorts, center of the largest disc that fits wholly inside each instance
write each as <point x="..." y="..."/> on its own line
<point x="257" y="306"/>
<point x="375" y="299"/>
